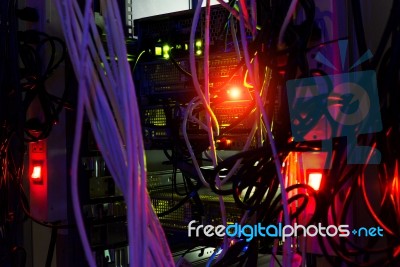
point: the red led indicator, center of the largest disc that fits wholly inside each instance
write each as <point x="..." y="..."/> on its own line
<point x="314" y="180"/>
<point x="37" y="173"/>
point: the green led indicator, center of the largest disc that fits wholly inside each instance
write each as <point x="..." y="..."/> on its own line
<point x="158" y="51"/>
<point x="166" y="48"/>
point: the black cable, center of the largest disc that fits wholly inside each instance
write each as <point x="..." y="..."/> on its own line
<point x="339" y="180"/>
<point x="359" y="27"/>
<point x="36" y="73"/>
<point x="247" y="156"/>
<point x="276" y="260"/>
<point x="178" y="205"/>
<point x="192" y="194"/>
<point x="255" y="180"/>
<point x="246" y="114"/>
<point x="179" y="67"/>
<point x="190" y="249"/>
<point x="11" y="121"/>
<point x="25" y="207"/>
<point x="343" y="249"/>
<point x="175" y="184"/>
<point x="233" y="254"/>
<point x="385" y="35"/>
<point x="52" y="245"/>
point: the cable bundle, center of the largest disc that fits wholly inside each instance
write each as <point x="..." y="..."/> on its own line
<point x="107" y="94"/>
<point x="262" y="124"/>
<point x="255" y="169"/>
<point x="32" y="44"/>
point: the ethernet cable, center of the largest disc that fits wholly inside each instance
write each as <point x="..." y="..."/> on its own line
<point x="268" y="127"/>
<point x="106" y="93"/>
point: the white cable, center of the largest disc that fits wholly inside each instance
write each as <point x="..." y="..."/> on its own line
<point x="75" y="158"/>
<point x="246" y="147"/>
<point x="107" y="94"/>
<point x="193" y="69"/>
<point x="213" y="149"/>
<point x="253" y="9"/>
<point x="205" y="100"/>
<point x="206" y="64"/>
<point x="190" y="108"/>
<point x="234" y="13"/>
<point x="135" y="229"/>
<point x="234" y="38"/>
<point x="270" y="136"/>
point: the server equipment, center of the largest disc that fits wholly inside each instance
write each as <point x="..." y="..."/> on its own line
<point x="164" y="83"/>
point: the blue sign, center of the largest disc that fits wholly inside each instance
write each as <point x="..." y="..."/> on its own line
<point x="345" y="104"/>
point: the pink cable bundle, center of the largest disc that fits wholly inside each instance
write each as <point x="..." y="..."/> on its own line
<point x="107" y="96"/>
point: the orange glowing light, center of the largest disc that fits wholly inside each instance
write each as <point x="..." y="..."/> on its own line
<point x="234" y="93"/>
<point x="314" y="180"/>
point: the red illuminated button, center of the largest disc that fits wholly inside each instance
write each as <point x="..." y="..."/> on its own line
<point x="314" y="179"/>
<point x="37" y="173"/>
